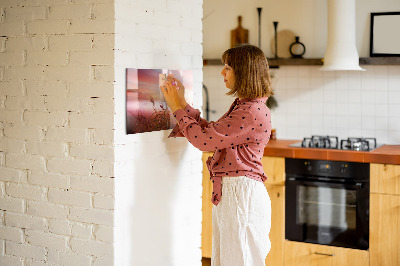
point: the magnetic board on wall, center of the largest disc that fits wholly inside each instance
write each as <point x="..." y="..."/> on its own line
<point x="146" y="109"/>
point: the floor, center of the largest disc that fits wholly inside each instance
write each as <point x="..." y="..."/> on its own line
<point x="206" y="261"/>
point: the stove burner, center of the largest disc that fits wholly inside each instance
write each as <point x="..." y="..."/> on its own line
<point x="358" y="144"/>
<point x="332" y="142"/>
<point x="328" y="142"/>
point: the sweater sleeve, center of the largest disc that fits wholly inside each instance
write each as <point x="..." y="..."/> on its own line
<point x="229" y="131"/>
<point x="193" y="113"/>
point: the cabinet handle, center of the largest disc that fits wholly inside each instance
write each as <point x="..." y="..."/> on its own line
<point x="324" y="254"/>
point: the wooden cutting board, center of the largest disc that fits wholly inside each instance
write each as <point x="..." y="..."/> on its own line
<point x="239" y="35"/>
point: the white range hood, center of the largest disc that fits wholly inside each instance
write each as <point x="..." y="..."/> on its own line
<point x="341" y="51"/>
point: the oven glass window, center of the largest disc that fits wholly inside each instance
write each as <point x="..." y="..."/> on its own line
<point x="326" y="207"/>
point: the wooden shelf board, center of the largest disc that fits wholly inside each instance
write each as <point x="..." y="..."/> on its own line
<point x="275" y="62"/>
<point x="380" y="61"/>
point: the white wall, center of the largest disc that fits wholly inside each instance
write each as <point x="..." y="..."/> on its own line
<point x="56" y="132"/>
<point x="344" y="103"/>
<point x="158" y="180"/>
<point x="305" y="18"/>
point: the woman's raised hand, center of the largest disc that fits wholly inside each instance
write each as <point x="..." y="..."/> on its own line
<point x="171" y="94"/>
<point x="181" y="91"/>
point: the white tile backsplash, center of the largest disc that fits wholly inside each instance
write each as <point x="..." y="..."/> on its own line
<point x="367" y="97"/>
<point x="343" y="103"/>
<point x="393" y="110"/>
<point x="368" y="110"/>
<point x="394" y="97"/>
<point x="394" y="124"/>
<point x="342" y="123"/>
<point x="381" y="97"/>
<point x="381" y="71"/>
<point x="393" y="71"/>
<point x="382" y="136"/>
<point x="382" y="110"/>
<point x="381" y="83"/>
<point x="329" y="109"/>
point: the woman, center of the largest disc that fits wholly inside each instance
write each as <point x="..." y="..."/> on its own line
<point x="242" y="208"/>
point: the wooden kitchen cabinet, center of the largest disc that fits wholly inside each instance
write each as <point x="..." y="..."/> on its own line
<point x="277" y="233"/>
<point x="274" y="168"/>
<point x="305" y="254"/>
<point x="385" y="178"/>
<point x="384" y="237"/>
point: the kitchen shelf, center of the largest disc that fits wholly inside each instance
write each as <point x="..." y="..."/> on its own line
<point x="274" y="63"/>
<point x="380" y="61"/>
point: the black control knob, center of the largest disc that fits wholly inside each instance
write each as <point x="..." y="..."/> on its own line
<point x="343" y="168"/>
<point x="308" y="166"/>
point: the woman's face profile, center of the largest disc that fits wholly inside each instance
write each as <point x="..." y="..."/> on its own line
<point x="229" y="76"/>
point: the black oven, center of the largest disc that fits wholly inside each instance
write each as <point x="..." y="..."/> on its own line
<point x="327" y="202"/>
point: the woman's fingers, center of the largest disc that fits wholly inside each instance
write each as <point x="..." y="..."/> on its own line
<point x="163" y="89"/>
<point x="174" y="81"/>
<point x="171" y="88"/>
<point x="180" y="85"/>
<point x="180" y="89"/>
<point x="169" y="91"/>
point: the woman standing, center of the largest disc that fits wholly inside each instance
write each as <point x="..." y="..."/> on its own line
<point x="242" y="208"/>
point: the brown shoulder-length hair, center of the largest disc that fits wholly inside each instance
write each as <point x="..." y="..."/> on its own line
<point x="250" y="66"/>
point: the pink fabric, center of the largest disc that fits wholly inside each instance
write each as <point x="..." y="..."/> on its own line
<point x="238" y="139"/>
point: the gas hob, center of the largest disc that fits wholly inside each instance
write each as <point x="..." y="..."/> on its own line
<point x="332" y="142"/>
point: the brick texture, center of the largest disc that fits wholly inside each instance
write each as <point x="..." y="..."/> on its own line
<point x="62" y="98"/>
<point x="51" y="101"/>
<point x="24" y="221"/>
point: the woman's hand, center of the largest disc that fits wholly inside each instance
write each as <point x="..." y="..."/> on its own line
<point x="181" y="91"/>
<point x="171" y="94"/>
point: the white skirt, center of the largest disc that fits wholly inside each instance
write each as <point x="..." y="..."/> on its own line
<point x="241" y="223"/>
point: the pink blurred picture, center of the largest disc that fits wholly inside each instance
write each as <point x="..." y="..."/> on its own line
<point x="146" y="109"/>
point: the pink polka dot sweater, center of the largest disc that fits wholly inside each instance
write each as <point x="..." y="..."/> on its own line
<point x="238" y="139"/>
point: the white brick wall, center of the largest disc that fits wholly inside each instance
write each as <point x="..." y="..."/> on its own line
<point x="59" y="78"/>
<point x="56" y="132"/>
<point x="17" y="220"/>
<point x="156" y="178"/>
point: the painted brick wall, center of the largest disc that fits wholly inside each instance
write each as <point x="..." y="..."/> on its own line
<point x="158" y="180"/>
<point x="56" y="132"/>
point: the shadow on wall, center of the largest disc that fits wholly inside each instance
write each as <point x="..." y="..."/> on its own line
<point x="153" y="224"/>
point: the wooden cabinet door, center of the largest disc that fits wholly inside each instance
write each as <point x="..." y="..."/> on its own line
<point x="384" y="236"/>
<point x="274" y="168"/>
<point x="385" y="178"/>
<point x="304" y="254"/>
<point x="206" y="226"/>
<point x="277" y="233"/>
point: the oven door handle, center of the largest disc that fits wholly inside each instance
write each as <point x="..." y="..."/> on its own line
<point x="357" y="185"/>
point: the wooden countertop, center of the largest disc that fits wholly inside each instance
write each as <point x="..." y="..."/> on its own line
<point x="389" y="154"/>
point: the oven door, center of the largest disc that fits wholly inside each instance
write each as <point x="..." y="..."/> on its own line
<point x="327" y="213"/>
